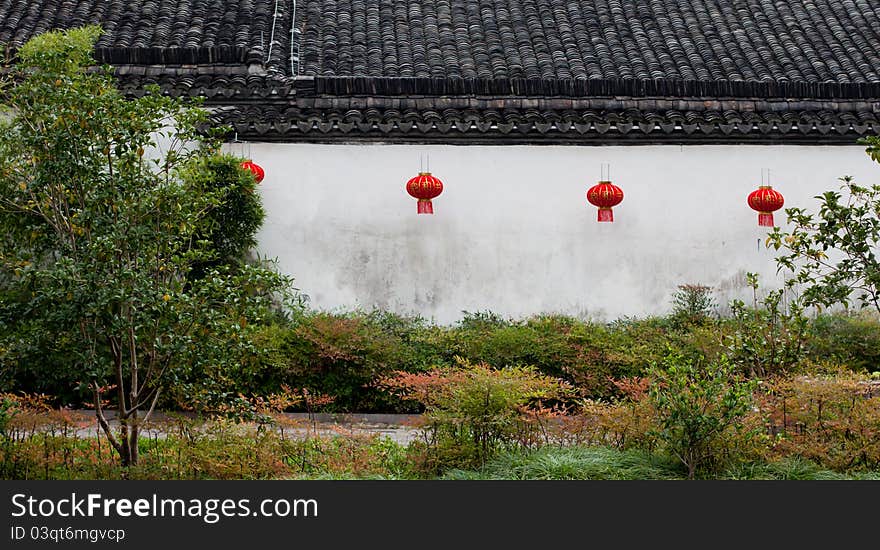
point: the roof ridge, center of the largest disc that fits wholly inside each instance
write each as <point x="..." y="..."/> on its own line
<point x="662" y="87"/>
<point x="177" y="55"/>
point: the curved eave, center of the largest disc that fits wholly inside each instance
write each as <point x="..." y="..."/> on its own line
<point x="272" y="108"/>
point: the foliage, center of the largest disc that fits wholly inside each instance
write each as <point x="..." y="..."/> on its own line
<point x="192" y="449"/>
<point x="481" y="320"/>
<point x="599" y="463"/>
<point x="344" y="356"/>
<point x="472" y="411"/>
<point x="692" y="304"/>
<point x="847" y="339"/>
<point x="101" y="231"/>
<point x="6" y="413"/>
<point x="573" y="463"/>
<point x="769" y="339"/>
<point x="625" y="424"/>
<point x="794" y="468"/>
<point x="540" y="342"/>
<point x="229" y="227"/>
<point x="831" y="420"/>
<point x="833" y="254"/>
<point x="821" y="436"/>
<point x="698" y="407"/>
<point x="605" y="352"/>
<point x="586" y="354"/>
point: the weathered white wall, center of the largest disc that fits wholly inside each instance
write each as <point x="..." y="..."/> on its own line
<point x="513" y="233"/>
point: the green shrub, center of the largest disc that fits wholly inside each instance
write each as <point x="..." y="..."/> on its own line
<point x="413" y="351"/>
<point x="849" y="339"/>
<point x="540" y="342"/>
<point x="622" y="349"/>
<point x="700" y="412"/>
<point x="345" y="355"/>
<point x="589" y="355"/>
<point x="692" y="304"/>
<point x="767" y="339"/>
<point x="472" y="411"/>
<point x="481" y="320"/>
<point x="231" y="226"/>
<point x="6" y="412"/>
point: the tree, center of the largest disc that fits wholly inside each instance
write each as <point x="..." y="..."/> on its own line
<point x="833" y="254"/>
<point x="104" y="213"/>
<point x="230" y="227"/>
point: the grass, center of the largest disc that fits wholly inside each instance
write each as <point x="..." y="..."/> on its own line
<point x="793" y="468"/>
<point x="242" y="454"/>
<point x="603" y="463"/>
<point x="574" y="463"/>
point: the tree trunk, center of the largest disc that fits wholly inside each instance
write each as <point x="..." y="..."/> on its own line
<point x="133" y="444"/>
<point x="126" y="444"/>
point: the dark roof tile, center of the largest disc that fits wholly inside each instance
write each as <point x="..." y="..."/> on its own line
<point x="830" y="41"/>
<point x="708" y="40"/>
<point x="162" y="31"/>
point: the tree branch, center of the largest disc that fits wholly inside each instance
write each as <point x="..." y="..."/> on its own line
<point x="102" y="421"/>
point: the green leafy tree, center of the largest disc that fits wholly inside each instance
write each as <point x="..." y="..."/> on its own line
<point x="231" y="226"/>
<point x="100" y="231"/>
<point x="833" y="254"/>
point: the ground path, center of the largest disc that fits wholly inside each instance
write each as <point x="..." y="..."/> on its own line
<point x="398" y="427"/>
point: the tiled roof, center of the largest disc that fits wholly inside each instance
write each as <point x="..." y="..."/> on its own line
<point x="701" y="40"/>
<point x="154" y="32"/>
<point x="751" y="40"/>
<point x="498" y="71"/>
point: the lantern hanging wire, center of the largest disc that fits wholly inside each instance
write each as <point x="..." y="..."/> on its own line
<point x="238" y="146"/>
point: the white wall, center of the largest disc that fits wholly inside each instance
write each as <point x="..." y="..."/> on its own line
<point x="513" y="233"/>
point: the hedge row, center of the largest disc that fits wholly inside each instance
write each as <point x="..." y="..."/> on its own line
<point x="342" y="355"/>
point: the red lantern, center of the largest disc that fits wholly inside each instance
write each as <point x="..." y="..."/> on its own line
<point x="605" y="195"/>
<point x="765" y="200"/>
<point x="255" y="169"/>
<point x="424" y="187"/>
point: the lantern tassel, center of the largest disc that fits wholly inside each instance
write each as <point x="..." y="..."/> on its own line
<point x="606" y="215"/>
<point x="425" y="207"/>
<point x="765" y="219"/>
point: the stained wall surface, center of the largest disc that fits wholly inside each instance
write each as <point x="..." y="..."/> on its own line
<point x="513" y="233"/>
